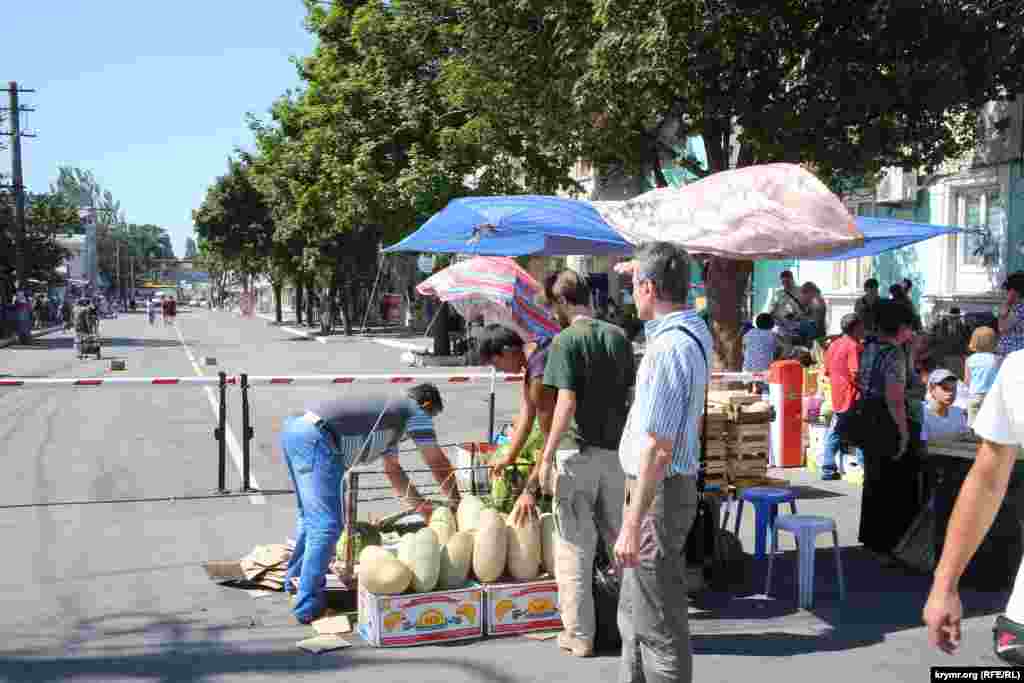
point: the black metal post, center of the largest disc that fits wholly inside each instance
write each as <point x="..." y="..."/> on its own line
<point x="490" y="421"/>
<point x="472" y="468"/>
<point x="247" y="433"/>
<point x="220" y="433"/>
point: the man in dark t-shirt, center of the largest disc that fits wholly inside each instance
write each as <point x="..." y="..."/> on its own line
<point x="591" y="365"/>
<point x="330" y="438"/>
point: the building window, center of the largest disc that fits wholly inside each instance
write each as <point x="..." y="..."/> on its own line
<point x="982" y="210"/>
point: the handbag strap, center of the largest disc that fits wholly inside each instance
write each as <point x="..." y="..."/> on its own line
<point x="703" y="431"/>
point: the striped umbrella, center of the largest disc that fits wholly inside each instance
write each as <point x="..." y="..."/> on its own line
<point x="497" y="288"/>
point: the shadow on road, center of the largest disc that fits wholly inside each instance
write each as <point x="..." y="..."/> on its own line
<point x="196" y="650"/>
<point x="879" y="602"/>
<point x="49" y="344"/>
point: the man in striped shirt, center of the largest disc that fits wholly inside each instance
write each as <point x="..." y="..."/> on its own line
<point x="330" y="438"/>
<point x="659" y="454"/>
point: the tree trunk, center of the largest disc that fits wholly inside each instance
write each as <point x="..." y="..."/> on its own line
<point x="345" y="301"/>
<point x="299" y="301"/>
<point x="442" y="343"/>
<point x="726" y="286"/>
<point x="278" y="312"/>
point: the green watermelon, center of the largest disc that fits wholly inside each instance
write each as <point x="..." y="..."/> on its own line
<point x="363" y="534"/>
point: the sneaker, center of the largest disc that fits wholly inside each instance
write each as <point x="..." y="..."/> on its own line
<point x="575" y="646"/>
<point x="1008" y="641"/>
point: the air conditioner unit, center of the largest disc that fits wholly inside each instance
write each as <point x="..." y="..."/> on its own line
<point x="896" y="186"/>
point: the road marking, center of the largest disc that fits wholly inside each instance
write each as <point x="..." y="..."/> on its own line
<point x="299" y="333"/>
<point x="229" y="434"/>
<point x="404" y="346"/>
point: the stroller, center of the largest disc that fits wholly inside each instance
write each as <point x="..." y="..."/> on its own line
<point x="87" y="332"/>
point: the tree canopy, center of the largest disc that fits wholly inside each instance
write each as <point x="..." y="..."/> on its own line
<point x="407" y="104"/>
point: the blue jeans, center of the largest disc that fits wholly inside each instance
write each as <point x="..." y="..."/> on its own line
<point x="317" y="474"/>
<point x="832" y="444"/>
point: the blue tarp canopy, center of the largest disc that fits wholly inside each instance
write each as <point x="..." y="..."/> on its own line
<point x="885" y="234"/>
<point x="517" y="225"/>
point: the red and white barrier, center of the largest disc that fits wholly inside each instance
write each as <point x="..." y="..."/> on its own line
<point x="466" y="378"/>
<point x="293" y="380"/>
<point x="12" y="382"/>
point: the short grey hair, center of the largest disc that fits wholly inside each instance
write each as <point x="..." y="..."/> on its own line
<point x="668" y="267"/>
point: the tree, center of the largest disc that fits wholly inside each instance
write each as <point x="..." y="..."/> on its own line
<point x="46" y="217"/>
<point x="190" y="248"/>
<point x="80" y="188"/>
<point x="841" y="87"/>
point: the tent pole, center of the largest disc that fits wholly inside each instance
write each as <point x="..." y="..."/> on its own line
<point x="373" y="293"/>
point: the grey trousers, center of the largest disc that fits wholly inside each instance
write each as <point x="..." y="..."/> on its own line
<point x="589" y="491"/>
<point x="653" y="607"/>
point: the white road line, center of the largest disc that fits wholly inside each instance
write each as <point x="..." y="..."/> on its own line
<point x="229" y="434"/>
<point x="403" y="345"/>
<point x="292" y="330"/>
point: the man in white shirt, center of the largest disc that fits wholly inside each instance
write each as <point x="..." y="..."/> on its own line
<point x="659" y="453"/>
<point x="942" y="419"/>
<point x="1000" y="424"/>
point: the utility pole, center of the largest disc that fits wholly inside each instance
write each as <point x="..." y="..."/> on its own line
<point x="18" y="185"/>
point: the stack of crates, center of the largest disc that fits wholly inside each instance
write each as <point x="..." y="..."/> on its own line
<point x="742" y="423"/>
<point x="717" y="453"/>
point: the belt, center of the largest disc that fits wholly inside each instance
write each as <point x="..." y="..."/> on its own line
<point x="320" y="423"/>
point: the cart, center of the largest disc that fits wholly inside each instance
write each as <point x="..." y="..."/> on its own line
<point x="89" y="344"/>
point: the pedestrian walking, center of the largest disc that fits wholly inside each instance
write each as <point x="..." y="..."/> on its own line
<point x="322" y="444"/>
<point x="842" y="363"/>
<point x="890" y="498"/>
<point x="590" y="364"/>
<point x="994" y="475"/>
<point x="659" y="453"/>
<point x="172" y="311"/>
<point x="151" y="311"/>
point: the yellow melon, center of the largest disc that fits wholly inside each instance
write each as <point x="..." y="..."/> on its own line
<point x="490" y="548"/>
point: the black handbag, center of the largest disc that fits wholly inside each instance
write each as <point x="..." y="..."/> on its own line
<point x="607" y="587"/>
<point x="855" y="428"/>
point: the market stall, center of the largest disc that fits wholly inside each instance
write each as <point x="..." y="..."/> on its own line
<point x="995" y="564"/>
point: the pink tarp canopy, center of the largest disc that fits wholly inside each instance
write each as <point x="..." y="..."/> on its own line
<point x="769" y="211"/>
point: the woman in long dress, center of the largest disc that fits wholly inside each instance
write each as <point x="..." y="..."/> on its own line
<point x="891" y="497"/>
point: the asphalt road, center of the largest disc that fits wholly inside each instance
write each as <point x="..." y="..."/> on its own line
<point x="113" y="591"/>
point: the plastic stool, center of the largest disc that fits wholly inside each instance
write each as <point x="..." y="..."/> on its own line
<point x="805" y="529"/>
<point x="766" y="502"/>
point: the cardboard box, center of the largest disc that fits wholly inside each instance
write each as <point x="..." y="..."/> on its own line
<point x="421" y="618"/>
<point x="521" y="607"/>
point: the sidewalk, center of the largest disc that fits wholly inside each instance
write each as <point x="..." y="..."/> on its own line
<point x="393" y="336"/>
<point x="37" y="333"/>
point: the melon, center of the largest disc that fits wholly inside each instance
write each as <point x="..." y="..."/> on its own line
<point x="456" y="561"/>
<point x="385" y="575"/>
<point x="423" y="557"/>
<point x="524" y="550"/>
<point x="363" y="534"/>
<point x="549" y="540"/>
<point x="490" y="549"/>
<point x="443" y="524"/>
<point x="468" y="514"/>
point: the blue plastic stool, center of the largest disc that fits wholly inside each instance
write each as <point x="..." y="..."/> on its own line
<point x="805" y="529"/>
<point x="766" y="502"/>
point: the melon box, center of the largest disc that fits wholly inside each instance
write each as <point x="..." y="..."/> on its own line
<point x="522" y="607"/>
<point x="421" y="618"/>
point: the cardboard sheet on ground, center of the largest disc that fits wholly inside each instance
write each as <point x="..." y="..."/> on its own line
<point x="322" y="643"/>
<point x="542" y="635"/>
<point x="332" y="624"/>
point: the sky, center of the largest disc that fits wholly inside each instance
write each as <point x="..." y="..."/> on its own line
<point x="150" y="96"/>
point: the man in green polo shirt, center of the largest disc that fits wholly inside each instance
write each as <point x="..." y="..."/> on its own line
<point x="591" y="365"/>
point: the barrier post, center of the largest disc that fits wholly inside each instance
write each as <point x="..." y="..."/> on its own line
<point x="220" y="433"/>
<point x="247" y="433"/>
<point x="490" y="421"/>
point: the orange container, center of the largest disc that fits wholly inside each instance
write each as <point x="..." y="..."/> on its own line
<point x="785" y="385"/>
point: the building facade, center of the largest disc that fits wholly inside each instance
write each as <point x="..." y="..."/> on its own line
<point x="983" y="192"/>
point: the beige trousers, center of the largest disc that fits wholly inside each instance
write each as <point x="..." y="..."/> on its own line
<point x="589" y="492"/>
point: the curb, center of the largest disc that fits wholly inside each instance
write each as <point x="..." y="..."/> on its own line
<point x="4" y="343"/>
